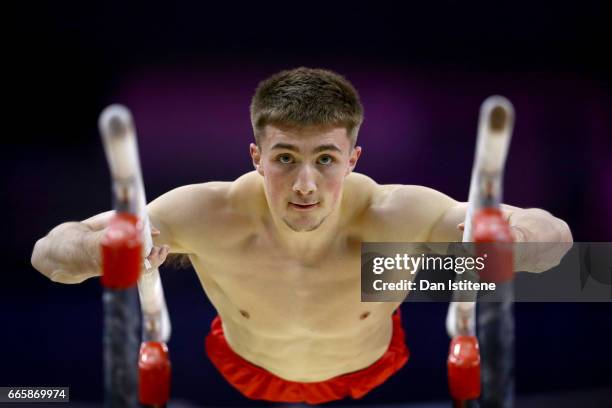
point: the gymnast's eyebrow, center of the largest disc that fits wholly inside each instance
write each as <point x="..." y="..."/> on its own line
<point x="285" y="146"/>
<point x="322" y="148"/>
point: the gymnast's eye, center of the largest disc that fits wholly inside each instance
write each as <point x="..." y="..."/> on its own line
<point x="284" y="158"/>
<point x="325" y="160"/>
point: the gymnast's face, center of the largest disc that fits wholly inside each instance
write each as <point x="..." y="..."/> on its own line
<point x="304" y="170"/>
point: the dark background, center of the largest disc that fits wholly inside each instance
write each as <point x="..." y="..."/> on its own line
<point x="187" y="72"/>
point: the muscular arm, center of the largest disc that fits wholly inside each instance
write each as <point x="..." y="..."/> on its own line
<point x="528" y="225"/>
<point x="70" y="252"/>
<point x="420" y="214"/>
<point x="190" y="219"/>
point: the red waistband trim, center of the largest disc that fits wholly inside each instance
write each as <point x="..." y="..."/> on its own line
<point x="256" y="383"/>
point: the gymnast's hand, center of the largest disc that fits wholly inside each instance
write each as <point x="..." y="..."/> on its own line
<point x="70" y="252"/>
<point x="543" y="240"/>
<point x="158" y="254"/>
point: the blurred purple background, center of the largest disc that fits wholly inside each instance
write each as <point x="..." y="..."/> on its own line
<point x="188" y="74"/>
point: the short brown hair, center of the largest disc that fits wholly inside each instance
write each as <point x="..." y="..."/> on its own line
<point x="304" y="97"/>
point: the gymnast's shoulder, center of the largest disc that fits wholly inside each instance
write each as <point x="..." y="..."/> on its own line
<point x="398" y="212"/>
<point x="215" y="210"/>
<point x="390" y="198"/>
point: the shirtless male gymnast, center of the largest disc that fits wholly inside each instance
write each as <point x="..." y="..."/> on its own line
<point x="278" y="250"/>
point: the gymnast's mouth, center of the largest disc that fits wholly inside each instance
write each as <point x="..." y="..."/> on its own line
<point x="303" y="206"/>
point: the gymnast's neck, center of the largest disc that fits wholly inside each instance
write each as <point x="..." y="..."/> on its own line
<point x="306" y="244"/>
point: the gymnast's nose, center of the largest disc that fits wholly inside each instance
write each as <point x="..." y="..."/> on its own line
<point x="305" y="183"/>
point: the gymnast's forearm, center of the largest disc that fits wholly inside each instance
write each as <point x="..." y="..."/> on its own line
<point x="70" y="253"/>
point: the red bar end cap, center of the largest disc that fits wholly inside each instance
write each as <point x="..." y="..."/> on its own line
<point x="154" y="373"/>
<point x="464" y="368"/>
<point x="491" y="230"/>
<point x="121" y="250"/>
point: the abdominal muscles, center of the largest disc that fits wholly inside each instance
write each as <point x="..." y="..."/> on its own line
<point x="301" y="324"/>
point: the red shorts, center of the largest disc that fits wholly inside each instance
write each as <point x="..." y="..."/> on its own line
<point x="257" y="383"/>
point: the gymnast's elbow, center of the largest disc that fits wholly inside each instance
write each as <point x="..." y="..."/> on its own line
<point x="565" y="231"/>
<point x="43" y="261"/>
<point x="38" y="259"/>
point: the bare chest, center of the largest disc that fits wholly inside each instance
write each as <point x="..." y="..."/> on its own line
<point x="257" y="284"/>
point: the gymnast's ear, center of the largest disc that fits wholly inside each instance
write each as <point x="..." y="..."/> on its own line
<point x="256" y="157"/>
<point x="353" y="157"/>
